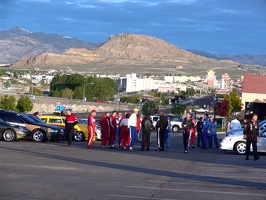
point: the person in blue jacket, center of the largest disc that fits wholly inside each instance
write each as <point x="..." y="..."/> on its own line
<point x="205" y="131"/>
<point x="213" y="133"/>
<point x="168" y="135"/>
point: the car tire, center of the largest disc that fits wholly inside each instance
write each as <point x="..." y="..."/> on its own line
<point x="175" y="129"/>
<point x="38" y="136"/>
<point x="240" y="148"/>
<point x="79" y="136"/>
<point x="9" y="135"/>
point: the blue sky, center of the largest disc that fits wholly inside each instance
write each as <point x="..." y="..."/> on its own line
<point x="215" y="26"/>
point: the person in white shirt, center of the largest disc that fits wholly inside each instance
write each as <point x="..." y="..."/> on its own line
<point x="132" y="123"/>
<point x="235" y="124"/>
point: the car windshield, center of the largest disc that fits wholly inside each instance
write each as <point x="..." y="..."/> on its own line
<point x="27" y="119"/>
<point x="36" y="119"/>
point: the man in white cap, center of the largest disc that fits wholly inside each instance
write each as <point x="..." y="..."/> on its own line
<point x="132" y="123"/>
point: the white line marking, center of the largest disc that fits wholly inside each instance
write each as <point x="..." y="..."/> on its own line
<point x="198" y="191"/>
<point x="136" y="197"/>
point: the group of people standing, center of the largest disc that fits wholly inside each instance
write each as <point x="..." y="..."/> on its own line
<point x="206" y="132"/>
<point x="125" y="130"/>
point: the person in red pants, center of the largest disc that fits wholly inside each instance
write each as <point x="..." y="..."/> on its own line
<point x="105" y="129"/>
<point x="124" y="132"/>
<point x="113" y="129"/>
<point x="193" y="132"/>
<point x="91" y="128"/>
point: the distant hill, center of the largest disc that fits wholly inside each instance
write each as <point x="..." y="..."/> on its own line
<point x="125" y="50"/>
<point x="17" y="43"/>
<point x="241" y="58"/>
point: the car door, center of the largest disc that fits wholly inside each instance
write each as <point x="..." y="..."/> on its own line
<point x="261" y="144"/>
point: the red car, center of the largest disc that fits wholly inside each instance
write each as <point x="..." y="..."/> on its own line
<point x="100" y="101"/>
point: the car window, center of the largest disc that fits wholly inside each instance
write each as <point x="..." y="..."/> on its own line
<point x="177" y="119"/>
<point x="155" y="119"/>
<point x="11" y="117"/>
<point x="55" y="120"/>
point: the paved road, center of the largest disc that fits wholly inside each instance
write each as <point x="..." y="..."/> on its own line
<point x="41" y="171"/>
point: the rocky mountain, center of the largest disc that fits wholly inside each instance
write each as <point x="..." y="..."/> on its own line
<point x="18" y="43"/>
<point x="124" y="50"/>
<point x="241" y="58"/>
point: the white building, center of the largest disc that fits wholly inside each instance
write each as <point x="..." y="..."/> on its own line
<point x="135" y="84"/>
<point x="172" y="79"/>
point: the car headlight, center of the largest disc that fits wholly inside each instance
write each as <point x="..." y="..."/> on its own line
<point x="24" y="129"/>
<point x="53" y="130"/>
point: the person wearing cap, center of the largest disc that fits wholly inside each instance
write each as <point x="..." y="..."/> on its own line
<point x="132" y="123"/>
<point x="70" y="121"/>
<point x="91" y="128"/>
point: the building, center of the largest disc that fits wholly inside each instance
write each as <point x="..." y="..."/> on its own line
<point x="254" y="96"/>
<point x="134" y="84"/>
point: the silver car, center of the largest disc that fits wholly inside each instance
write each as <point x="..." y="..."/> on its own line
<point x="235" y="141"/>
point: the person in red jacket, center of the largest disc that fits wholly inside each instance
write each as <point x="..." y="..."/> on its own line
<point x="138" y="126"/>
<point x="70" y="122"/>
<point x="113" y="129"/>
<point x="91" y="128"/>
<point x="105" y="129"/>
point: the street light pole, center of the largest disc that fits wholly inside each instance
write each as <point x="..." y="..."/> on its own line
<point x="84" y="91"/>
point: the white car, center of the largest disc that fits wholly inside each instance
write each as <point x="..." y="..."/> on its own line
<point x="235" y="140"/>
<point x="176" y="122"/>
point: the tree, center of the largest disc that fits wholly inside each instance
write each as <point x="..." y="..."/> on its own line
<point x="67" y="93"/>
<point x="178" y="109"/>
<point x="150" y="107"/>
<point x="24" y="104"/>
<point x="8" y="103"/>
<point x="222" y="108"/>
<point x="234" y="100"/>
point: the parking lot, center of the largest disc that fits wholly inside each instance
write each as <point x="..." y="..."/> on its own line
<point x="31" y="170"/>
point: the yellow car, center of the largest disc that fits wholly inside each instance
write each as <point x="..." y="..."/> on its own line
<point x="81" y="129"/>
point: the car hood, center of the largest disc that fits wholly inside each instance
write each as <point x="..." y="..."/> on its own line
<point x="236" y="132"/>
<point x="47" y="125"/>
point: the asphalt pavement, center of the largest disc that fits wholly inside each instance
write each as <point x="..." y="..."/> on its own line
<point x="51" y="170"/>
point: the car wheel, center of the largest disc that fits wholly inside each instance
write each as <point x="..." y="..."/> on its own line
<point x="79" y="136"/>
<point x="38" y="135"/>
<point x="9" y="135"/>
<point x="240" y="148"/>
<point x="175" y="129"/>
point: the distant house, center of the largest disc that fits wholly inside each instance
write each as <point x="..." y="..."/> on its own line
<point x="254" y="95"/>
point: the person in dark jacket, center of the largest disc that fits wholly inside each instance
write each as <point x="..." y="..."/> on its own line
<point x="251" y="133"/>
<point x="199" y="132"/>
<point x="187" y="125"/>
<point x="146" y="126"/>
<point x="161" y="127"/>
<point x="70" y="122"/>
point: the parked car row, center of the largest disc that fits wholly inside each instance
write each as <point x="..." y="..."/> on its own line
<point x="31" y="128"/>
